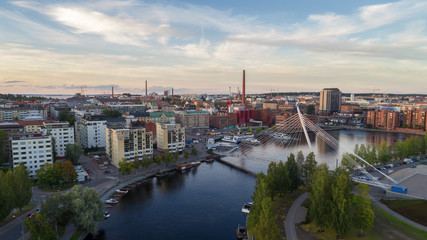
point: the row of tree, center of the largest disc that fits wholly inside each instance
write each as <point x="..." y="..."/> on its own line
<point x="56" y="174"/>
<point x="126" y="167"/>
<point x="410" y="147"/>
<point x="331" y="202"/>
<point x="281" y="178"/>
<point x="80" y="205"/>
<point x="15" y="190"/>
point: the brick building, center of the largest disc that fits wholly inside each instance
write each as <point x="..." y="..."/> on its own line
<point x="384" y="118"/>
<point x="223" y="120"/>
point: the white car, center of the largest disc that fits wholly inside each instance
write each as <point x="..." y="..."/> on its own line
<point x="247" y="207"/>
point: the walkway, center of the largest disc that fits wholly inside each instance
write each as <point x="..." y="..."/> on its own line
<point x="292" y="216"/>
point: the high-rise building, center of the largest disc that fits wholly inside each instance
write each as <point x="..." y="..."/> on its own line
<point x="170" y="137"/>
<point x="91" y="133"/>
<point x="128" y="143"/>
<point x="61" y="132"/>
<point x="330" y="100"/>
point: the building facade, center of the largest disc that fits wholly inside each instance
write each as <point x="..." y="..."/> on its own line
<point x="91" y="133"/>
<point x="330" y="100"/>
<point x="170" y="137"/>
<point x="383" y="118"/>
<point x="18" y="114"/>
<point x="33" y="150"/>
<point x="128" y="143"/>
<point x="194" y="119"/>
<point x="63" y="134"/>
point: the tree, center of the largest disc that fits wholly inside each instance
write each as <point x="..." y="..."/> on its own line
<point x="68" y="172"/>
<point x="384" y="155"/>
<point x="4" y="157"/>
<point x="57" y="209"/>
<point x="48" y="175"/>
<point x="39" y="227"/>
<point x="249" y="129"/>
<point x="267" y="228"/>
<point x="6" y="201"/>
<point x="341" y="204"/>
<point x="146" y="162"/>
<point x="87" y="208"/>
<point x="186" y="154"/>
<point x="21" y="186"/>
<point x="310" y="109"/>
<point x="348" y="161"/>
<point x="54" y="153"/>
<point x="73" y="152"/>
<point x="320" y="197"/>
<point x="125" y="167"/>
<point x="258" y="130"/>
<point x="65" y="115"/>
<point x="194" y="151"/>
<point x="277" y="179"/>
<point x="293" y="173"/>
<point x="364" y="216"/>
<point x="300" y="161"/>
<point x="111" y="113"/>
<point x="309" y="167"/>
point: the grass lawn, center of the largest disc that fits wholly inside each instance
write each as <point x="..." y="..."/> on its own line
<point x="281" y="205"/>
<point x="416" y="210"/>
<point x="17" y="214"/>
<point x="76" y="235"/>
<point x="57" y="189"/>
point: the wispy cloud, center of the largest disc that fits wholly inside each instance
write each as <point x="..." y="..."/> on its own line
<point x="14" y="81"/>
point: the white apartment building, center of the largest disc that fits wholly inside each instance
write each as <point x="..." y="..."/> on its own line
<point x="129" y="143"/>
<point x="91" y="133"/>
<point x="61" y="132"/>
<point x="33" y="150"/>
<point x="170" y="137"/>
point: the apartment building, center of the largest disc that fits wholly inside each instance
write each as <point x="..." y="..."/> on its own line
<point x="384" y="118"/>
<point x="330" y="100"/>
<point x="63" y="134"/>
<point x="170" y="137"/>
<point x="91" y="133"/>
<point x="33" y="150"/>
<point x="129" y="143"/>
<point x="17" y="114"/>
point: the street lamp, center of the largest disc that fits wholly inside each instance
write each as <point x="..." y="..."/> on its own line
<point x="22" y="230"/>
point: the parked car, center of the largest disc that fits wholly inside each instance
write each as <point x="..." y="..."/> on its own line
<point x="413" y="166"/>
<point x="30" y="215"/>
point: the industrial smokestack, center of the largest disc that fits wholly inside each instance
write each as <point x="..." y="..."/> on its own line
<point x="112" y="92"/>
<point x="172" y="95"/>
<point x="146" y="90"/>
<point x="243" y="88"/>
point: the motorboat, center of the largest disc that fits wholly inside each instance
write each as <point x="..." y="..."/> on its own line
<point x="183" y="167"/>
<point x="252" y="141"/>
<point x="111" y="201"/>
<point x="106" y="215"/>
<point x="195" y="164"/>
<point x="122" y="191"/>
<point x="281" y="136"/>
<point x="247" y="207"/>
<point x="241" y="232"/>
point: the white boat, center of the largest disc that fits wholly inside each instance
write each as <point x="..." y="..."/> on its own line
<point x="231" y="139"/>
<point x="281" y="136"/>
<point x="122" y="191"/>
<point x="247" y="207"/>
<point x="106" y="215"/>
<point x="252" y="141"/>
<point x="111" y="201"/>
<point x="195" y="164"/>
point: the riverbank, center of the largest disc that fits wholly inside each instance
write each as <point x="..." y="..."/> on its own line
<point x="333" y="128"/>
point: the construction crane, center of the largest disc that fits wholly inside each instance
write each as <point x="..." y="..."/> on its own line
<point x="373" y="95"/>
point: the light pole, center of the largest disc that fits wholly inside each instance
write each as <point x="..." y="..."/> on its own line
<point x="22" y="230"/>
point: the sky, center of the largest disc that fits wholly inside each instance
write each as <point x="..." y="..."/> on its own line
<point x="201" y="46"/>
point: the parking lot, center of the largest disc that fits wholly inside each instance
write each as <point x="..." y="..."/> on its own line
<point x="415" y="179"/>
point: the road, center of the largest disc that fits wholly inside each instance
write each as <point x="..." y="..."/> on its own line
<point x="291" y="234"/>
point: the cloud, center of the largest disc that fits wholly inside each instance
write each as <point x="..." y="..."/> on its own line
<point x="14" y="81"/>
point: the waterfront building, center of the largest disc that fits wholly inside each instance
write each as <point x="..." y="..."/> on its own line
<point x="63" y="134"/>
<point x="170" y="137"/>
<point x="384" y="118"/>
<point x="194" y="119"/>
<point x="33" y="150"/>
<point x="330" y="100"/>
<point x="128" y="143"/>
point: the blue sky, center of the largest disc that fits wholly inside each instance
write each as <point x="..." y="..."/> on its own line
<point x="202" y="46"/>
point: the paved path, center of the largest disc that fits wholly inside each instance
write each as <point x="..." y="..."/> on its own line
<point x="291" y="217"/>
<point x="397" y="215"/>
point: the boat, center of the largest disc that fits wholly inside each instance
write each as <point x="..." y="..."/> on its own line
<point x="209" y="159"/>
<point x="161" y="173"/>
<point x="241" y="232"/>
<point x="252" y="141"/>
<point x="231" y="139"/>
<point x="122" y="191"/>
<point x="247" y="207"/>
<point x="106" y="215"/>
<point x="195" y="164"/>
<point x="281" y="136"/>
<point x="111" y="201"/>
<point x="183" y="167"/>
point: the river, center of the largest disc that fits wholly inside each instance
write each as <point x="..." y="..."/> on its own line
<point x="205" y="202"/>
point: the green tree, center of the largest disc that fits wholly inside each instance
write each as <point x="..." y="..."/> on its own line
<point x="300" y="162"/>
<point x="293" y="172"/>
<point x="111" y="113"/>
<point x="65" y="115"/>
<point x="125" y="167"/>
<point x="258" y="195"/>
<point x="73" y="152"/>
<point x="266" y="128"/>
<point x="384" y="155"/>
<point x="277" y="179"/>
<point x="310" y="109"/>
<point x="364" y="216"/>
<point x="87" y="208"/>
<point x="6" y="201"/>
<point x="249" y="129"/>
<point x="49" y="175"/>
<point x="194" y="151"/>
<point x="320" y="197"/>
<point x="39" y="227"/>
<point x="21" y="186"/>
<point x="258" y="130"/>
<point x="341" y="204"/>
<point x="57" y="209"/>
<point x="68" y="172"/>
<point x="267" y="229"/>
<point x="309" y="167"/>
<point x="54" y="153"/>
<point x="146" y="162"/>
<point x="186" y="153"/>
<point x="348" y="161"/>
<point x="4" y="157"/>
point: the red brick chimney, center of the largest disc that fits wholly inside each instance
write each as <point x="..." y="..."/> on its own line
<point x="243" y="88"/>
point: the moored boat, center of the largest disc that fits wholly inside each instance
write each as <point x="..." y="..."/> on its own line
<point x="195" y="164"/>
<point x="241" y="232"/>
<point x="111" y="201"/>
<point x="122" y="191"/>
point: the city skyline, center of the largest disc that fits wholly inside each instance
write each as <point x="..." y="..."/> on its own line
<point x="201" y="47"/>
